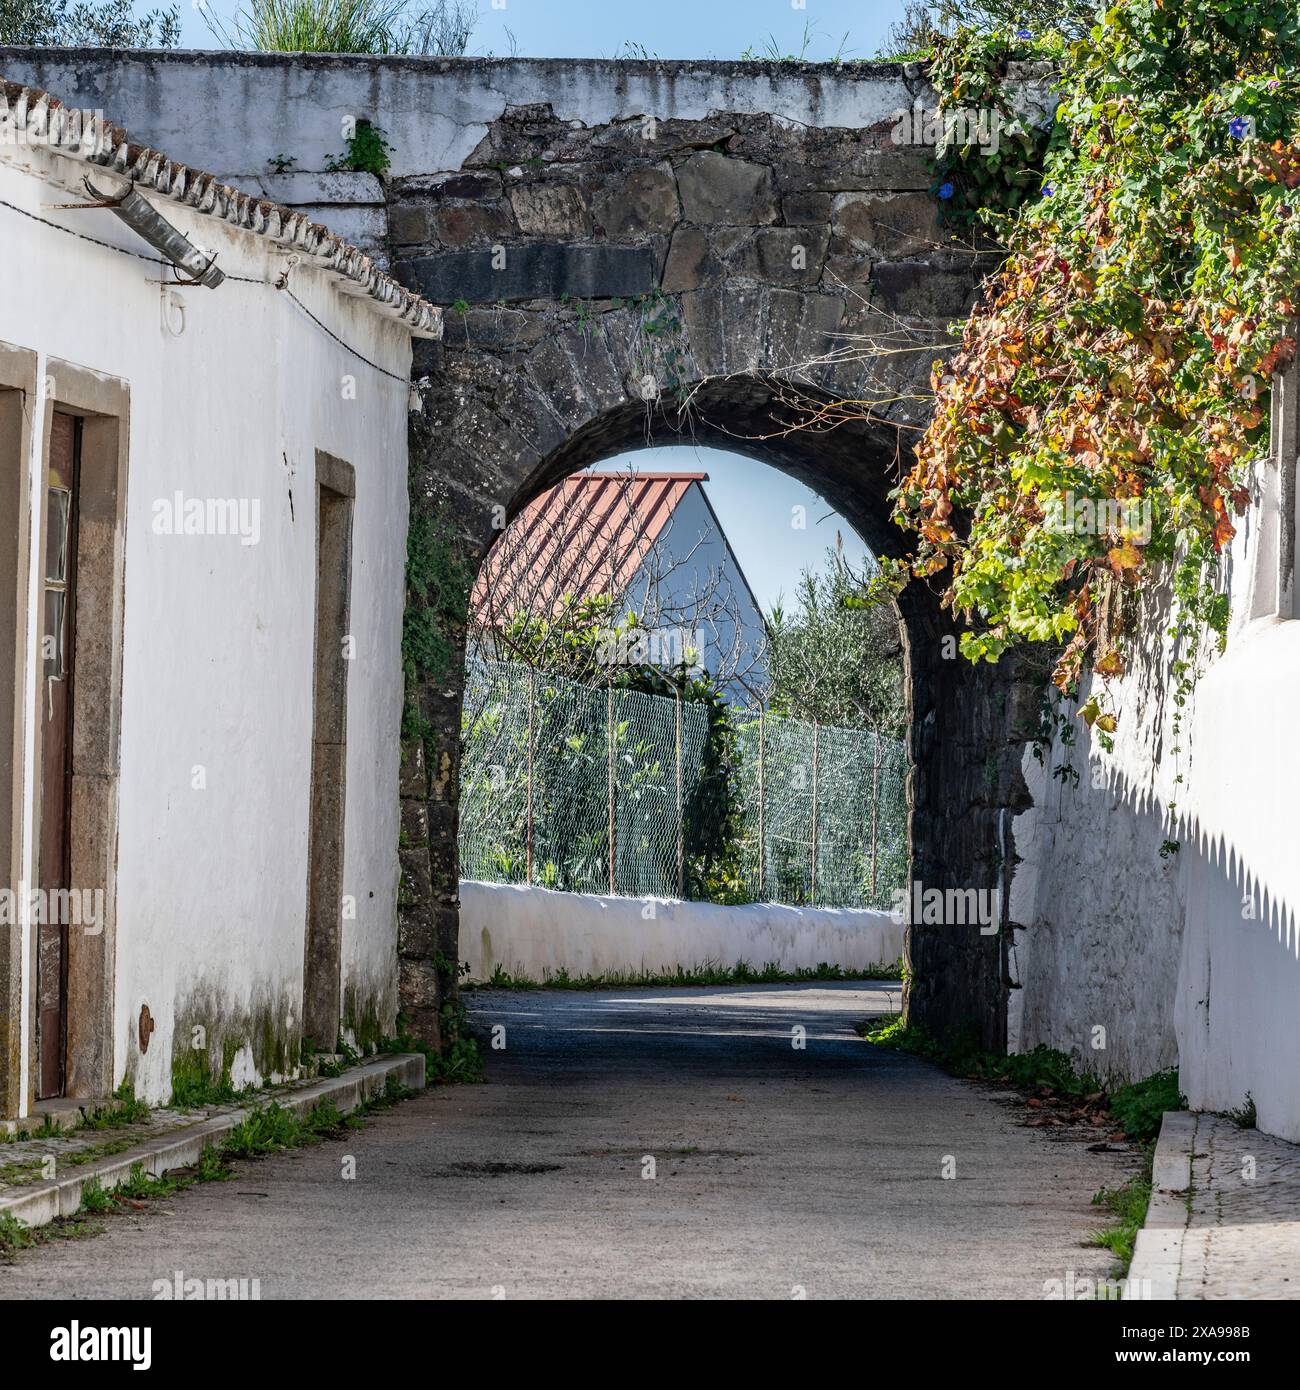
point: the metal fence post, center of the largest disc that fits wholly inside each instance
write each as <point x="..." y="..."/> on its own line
<point x="813" y="889"/>
<point x="532" y="707"/>
<point x="875" y="803"/>
<point x="681" y="829"/>
<point x="609" y="748"/>
<point x="762" y="829"/>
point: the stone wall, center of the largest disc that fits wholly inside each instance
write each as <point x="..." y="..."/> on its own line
<point x="717" y="280"/>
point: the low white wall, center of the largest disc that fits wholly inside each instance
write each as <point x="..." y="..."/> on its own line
<point x="536" y="932"/>
<point x="434" y="112"/>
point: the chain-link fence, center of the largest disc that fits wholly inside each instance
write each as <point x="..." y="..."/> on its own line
<point x="583" y="789"/>
<point x="823" y="813"/>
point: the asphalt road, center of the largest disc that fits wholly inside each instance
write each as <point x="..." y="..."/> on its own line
<point x="778" y="1171"/>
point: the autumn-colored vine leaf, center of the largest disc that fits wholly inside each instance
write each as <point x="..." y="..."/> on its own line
<point x="1111" y="664"/>
<point x="1124" y="557"/>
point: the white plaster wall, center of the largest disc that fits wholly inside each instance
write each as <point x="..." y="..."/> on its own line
<point x="697" y="574"/>
<point x="235" y="111"/>
<point x="218" y="636"/>
<point x="1101" y="910"/>
<point x="1191" y="960"/>
<point x="1238" y="1005"/>
<point x="536" y="932"/>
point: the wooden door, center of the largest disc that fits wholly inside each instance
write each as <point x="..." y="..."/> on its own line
<point x="58" y="645"/>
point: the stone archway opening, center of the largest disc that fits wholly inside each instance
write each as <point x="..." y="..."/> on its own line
<point x="967" y="726"/>
<point x="668" y="697"/>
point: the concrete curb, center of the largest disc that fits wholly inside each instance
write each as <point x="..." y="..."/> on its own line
<point x="37" y="1205"/>
<point x="1158" y="1250"/>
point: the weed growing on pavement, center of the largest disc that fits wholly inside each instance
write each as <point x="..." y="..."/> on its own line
<point x="1140" y="1107"/>
<point x="1128" y="1204"/>
<point x="1135" y="1108"/>
<point x="460" y="1059"/>
<point x="1243" y="1115"/>
<point x="128" y="1111"/>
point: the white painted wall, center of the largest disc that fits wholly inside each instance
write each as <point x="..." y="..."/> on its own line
<point x="434" y="112"/>
<point x="1193" y="959"/>
<point x="536" y="932"/>
<point x="218" y="636"/>
<point x="695" y="572"/>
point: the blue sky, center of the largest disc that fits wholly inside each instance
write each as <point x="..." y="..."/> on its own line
<point x="666" y="28"/>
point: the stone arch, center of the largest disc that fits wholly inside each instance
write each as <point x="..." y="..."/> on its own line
<point x="497" y="427"/>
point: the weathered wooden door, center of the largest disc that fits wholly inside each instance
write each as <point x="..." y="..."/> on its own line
<point x="58" y="645"/>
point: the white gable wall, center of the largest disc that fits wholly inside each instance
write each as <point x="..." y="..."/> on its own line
<point x="694" y="552"/>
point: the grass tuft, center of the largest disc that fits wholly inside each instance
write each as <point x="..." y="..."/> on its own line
<point x="1128" y="1204"/>
<point x="94" y="1200"/>
<point x="264" y="1130"/>
<point x="128" y="1111"/>
<point x="14" y="1235"/>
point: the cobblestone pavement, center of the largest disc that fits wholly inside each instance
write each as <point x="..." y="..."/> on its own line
<point x="1243" y="1233"/>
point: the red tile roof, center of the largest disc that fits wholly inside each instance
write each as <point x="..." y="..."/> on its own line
<point x="584" y="537"/>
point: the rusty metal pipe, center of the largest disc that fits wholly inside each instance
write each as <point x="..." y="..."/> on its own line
<point x="147" y="222"/>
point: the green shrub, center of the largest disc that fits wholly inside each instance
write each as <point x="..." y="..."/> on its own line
<point x="1139" y="1107"/>
<point x="14" y="1235"/>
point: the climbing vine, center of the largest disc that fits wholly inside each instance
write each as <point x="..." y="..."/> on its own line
<point x="988" y="152"/>
<point x="1095" y="433"/>
<point x="438" y="579"/>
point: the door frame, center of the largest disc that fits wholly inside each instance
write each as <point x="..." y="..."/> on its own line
<point x="103" y="404"/>
<point x="18" y="382"/>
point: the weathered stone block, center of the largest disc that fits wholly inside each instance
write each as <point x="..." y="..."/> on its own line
<point x="889" y="225"/>
<point x="527" y="271"/>
<point x="408" y="224"/>
<point x="801" y="209"/>
<point x="690" y="263"/>
<point x="921" y="290"/>
<point x="551" y="209"/>
<point x="475" y="187"/>
<point x="464" y="224"/>
<point x="785" y="255"/>
<point x="846" y="263"/>
<point x="641" y="202"/>
<point x="645" y="134"/>
<point x="715" y="188"/>
<point x="497" y="328"/>
<point x="702" y="313"/>
<point x="858" y="167"/>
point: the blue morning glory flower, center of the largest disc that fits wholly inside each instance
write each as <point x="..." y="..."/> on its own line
<point x="1048" y="190"/>
<point x="1024" y="35"/>
<point x="946" y="190"/>
<point x="1238" y="127"/>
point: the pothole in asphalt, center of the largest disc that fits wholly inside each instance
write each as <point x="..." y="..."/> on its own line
<point x="675" y="1151"/>
<point x="503" y="1169"/>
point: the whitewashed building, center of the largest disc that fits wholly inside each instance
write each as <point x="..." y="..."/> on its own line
<point x="202" y="529"/>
